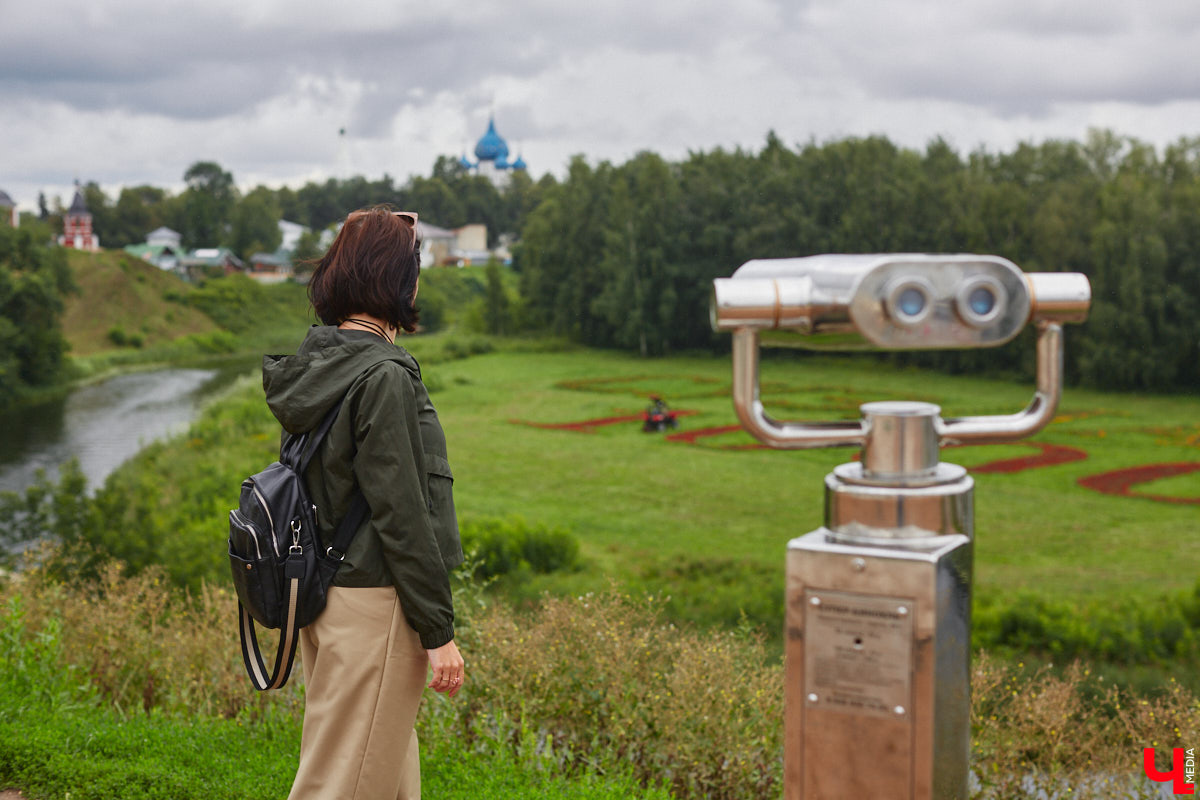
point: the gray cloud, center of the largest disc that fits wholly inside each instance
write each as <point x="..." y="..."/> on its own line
<point x="194" y="62"/>
<point x="134" y="90"/>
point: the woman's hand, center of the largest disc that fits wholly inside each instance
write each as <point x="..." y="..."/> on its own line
<point x="448" y="669"/>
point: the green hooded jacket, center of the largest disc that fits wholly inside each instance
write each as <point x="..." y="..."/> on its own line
<point x="387" y="440"/>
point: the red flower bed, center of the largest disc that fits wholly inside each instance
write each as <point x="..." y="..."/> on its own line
<point x="690" y="437"/>
<point x="588" y="425"/>
<point x="1050" y="455"/>
<point x="1119" y="482"/>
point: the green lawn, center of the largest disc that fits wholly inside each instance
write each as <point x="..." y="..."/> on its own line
<point x="95" y="754"/>
<point x="640" y="503"/>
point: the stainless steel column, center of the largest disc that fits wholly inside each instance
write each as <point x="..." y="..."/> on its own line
<point x="878" y="622"/>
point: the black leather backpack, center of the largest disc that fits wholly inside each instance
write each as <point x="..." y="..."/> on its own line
<point x="279" y="569"/>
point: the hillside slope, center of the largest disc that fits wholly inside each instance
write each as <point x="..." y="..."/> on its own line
<point x="123" y="298"/>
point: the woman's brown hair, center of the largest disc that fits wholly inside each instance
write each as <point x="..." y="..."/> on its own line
<point x="371" y="268"/>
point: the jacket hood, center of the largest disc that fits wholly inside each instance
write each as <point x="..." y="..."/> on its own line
<point x="301" y="388"/>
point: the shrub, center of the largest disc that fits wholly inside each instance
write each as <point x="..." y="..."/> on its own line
<point x="120" y="338"/>
<point x="458" y="348"/>
<point x="1125" y="633"/>
<point x="213" y="342"/>
<point x="716" y="590"/>
<point x="512" y="546"/>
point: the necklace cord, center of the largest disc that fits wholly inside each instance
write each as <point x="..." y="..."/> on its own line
<point x="372" y="327"/>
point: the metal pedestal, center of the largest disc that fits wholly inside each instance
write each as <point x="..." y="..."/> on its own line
<point x="878" y="623"/>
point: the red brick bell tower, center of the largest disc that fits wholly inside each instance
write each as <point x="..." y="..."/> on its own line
<point x="77" y="225"/>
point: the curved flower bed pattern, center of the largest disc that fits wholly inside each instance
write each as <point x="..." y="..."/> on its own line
<point x="1049" y="456"/>
<point x="1120" y="482"/>
<point x="589" y="425"/>
<point x="1117" y="482"/>
<point x="710" y="387"/>
<point x="690" y="437"/>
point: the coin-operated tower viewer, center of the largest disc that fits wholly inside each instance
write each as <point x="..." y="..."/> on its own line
<point x="877" y="695"/>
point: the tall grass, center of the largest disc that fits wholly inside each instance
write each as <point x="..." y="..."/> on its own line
<point x="598" y="683"/>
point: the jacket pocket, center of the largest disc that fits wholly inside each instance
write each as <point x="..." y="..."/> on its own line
<point x="441" y="509"/>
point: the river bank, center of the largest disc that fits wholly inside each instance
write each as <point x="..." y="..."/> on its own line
<point x="102" y="423"/>
<point x="144" y="351"/>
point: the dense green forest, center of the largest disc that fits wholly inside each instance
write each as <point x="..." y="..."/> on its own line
<point x="623" y="255"/>
<point x="34" y="279"/>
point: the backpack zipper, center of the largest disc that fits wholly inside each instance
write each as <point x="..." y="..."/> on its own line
<point x="242" y="522"/>
<point x="262" y="501"/>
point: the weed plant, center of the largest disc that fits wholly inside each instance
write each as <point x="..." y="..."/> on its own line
<point x="143" y="646"/>
<point x="602" y="679"/>
<point x="581" y="686"/>
<point x="1069" y="733"/>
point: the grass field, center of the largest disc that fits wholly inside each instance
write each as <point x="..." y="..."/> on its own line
<point x="705" y="523"/>
<point x="642" y="505"/>
<point x="120" y="292"/>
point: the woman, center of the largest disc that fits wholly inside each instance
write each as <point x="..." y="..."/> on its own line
<point x="389" y="614"/>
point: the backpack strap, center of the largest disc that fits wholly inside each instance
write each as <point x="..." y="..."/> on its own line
<point x="299" y="450"/>
<point x="358" y="513"/>
<point x="289" y="634"/>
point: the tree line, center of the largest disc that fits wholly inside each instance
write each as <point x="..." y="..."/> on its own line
<point x="212" y="212"/>
<point x="624" y="255"/>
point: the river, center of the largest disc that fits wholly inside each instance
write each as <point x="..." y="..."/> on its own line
<point x="102" y="424"/>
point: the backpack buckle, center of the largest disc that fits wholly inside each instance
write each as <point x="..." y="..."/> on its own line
<point x="334" y="554"/>
<point x="295" y="548"/>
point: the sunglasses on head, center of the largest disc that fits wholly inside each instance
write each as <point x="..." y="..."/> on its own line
<point x="409" y="217"/>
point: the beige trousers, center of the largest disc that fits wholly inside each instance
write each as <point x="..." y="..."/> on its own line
<point x="364" y="670"/>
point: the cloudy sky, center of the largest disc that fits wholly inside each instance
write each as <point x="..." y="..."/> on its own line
<point x="125" y="92"/>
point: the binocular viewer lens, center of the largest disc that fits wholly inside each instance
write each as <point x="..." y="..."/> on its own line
<point x="912" y="302"/>
<point x="981" y="301"/>
<point x="909" y="300"/>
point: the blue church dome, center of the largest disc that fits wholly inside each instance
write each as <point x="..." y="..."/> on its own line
<point x="491" y="147"/>
<point x="518" y="164"/>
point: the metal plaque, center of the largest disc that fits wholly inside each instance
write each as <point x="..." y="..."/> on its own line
<point x="858" y="653"/>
